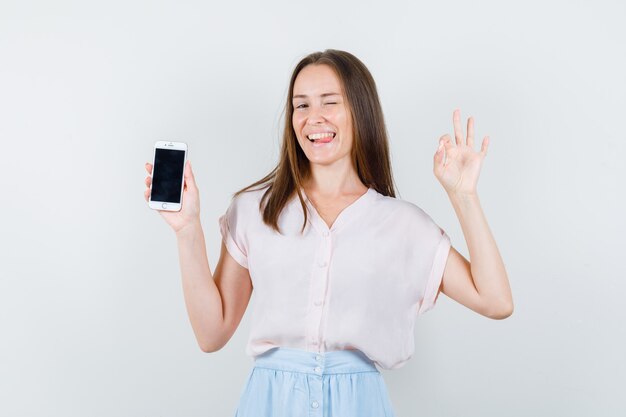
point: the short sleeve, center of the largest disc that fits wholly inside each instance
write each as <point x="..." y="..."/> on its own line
<point x="232" y="230"/>
<point x="440" y="248"/>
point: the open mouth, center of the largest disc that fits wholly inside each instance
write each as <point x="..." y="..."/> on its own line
<point x="321" y="137"/>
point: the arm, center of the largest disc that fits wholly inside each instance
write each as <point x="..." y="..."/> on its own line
<point x="215" y="302"/>
<point x="481" y="285"/>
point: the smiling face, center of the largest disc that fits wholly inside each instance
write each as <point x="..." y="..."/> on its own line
<point x="321" y="112"/>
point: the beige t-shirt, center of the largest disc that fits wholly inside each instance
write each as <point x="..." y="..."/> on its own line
<point x="358" y="285"/>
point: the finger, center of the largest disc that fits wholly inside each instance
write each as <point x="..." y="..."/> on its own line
<point x="146" y="195"/>
<point x="458" y="132"/>
<point x="438" y="158"/>
<point x="485" y="145"/>
<point x="149" y="168"/>
<point x="470" y="132"/>
<point x="447" y="141"/>
<point x="189" y="177"/>
<point x="148" y="181"/>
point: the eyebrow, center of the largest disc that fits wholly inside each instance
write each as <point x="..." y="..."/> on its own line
<point x="322" y="95"/>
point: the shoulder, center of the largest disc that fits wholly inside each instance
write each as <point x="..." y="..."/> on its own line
<point x="404" y="218"/>
<point x="248" y="199"/>
<point x="402" y="210"/>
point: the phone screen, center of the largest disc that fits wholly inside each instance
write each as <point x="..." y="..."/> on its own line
<point x="168" y="175"/>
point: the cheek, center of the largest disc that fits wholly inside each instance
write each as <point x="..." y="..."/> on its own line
<point x="346" y="125"/>
<point x="296" y="126"/>
<point x="296" y="121"/>
<point x="343" y="118"/>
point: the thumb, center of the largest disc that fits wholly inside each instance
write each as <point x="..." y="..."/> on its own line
<point x="438" y="158"/>
<point x="189" y="178"/>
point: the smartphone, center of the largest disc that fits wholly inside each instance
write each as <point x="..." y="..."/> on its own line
<point x="168" y="167"/>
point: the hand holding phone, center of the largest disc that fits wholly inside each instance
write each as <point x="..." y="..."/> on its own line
<point x="172" y="188"/>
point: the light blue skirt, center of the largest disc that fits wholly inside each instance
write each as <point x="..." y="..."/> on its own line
<point x="286" y="382"/>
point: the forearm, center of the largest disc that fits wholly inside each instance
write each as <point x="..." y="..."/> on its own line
<point x="488" y="271"/>
<point x="202" y="297"/>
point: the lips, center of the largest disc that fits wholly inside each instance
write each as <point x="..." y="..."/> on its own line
<point x="321" y="137"/>
<point x="320" y="143"/>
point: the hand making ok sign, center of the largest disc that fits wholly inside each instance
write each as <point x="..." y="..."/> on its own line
<point x="459" y="172"/>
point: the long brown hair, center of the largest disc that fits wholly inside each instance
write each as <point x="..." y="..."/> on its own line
<point x="370" y="149"/>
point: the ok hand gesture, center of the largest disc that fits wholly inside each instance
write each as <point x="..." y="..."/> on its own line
<point x="458" y="174"/>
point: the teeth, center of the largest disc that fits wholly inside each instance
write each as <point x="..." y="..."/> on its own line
<point x="320" y="135"/>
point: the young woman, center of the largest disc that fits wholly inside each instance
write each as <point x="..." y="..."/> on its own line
<point x="340" y="267"/>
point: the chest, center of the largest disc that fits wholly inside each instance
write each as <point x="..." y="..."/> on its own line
<point x="329" y="211"/>
<point x="329" y="215"/>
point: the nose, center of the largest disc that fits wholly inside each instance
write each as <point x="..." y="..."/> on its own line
<point x="315" y="115"/>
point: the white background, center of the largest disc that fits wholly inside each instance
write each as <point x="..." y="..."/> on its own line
<point x="92" y="315"/>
